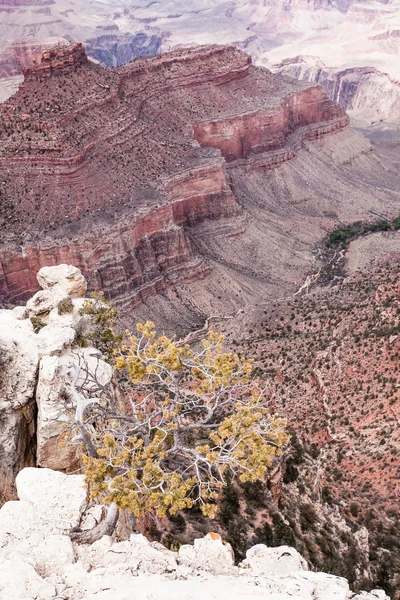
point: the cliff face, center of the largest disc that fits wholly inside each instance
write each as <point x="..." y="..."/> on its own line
<point x="372" y="96"/>
<point x="303" y="116"/>
<point x="57" y="61"/>
<point x="104" y="168"/>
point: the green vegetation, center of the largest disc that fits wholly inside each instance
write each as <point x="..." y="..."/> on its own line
<point x="65" y="306"/>
<point x="37" y="323"/>
<point x="191" y="420"/>
<point x="344" y="235"/>
<point x="102" y="323"/>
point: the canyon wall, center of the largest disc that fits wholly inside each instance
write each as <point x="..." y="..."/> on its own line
<point x="114" y="170"/>
<point x="356" y="35"/>
<point x="372" y="96"/>
<point x="138" y="259"/>
<point x="266" y="131"/>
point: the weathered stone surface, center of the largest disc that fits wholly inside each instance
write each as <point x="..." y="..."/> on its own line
<point x="55" y="496"/>
<point x="55" y="376"/>
<point x="270" y="561"/>
<point x="66" y="277"/>
<point x="19" y="581"/>
<point x="57" y="61"/>
<point x="57" y="283"/>
<point x="37" y="559"/>
<point x="19" y="360"/>
<point x="208" y="554"/>
<point x="35" y="370"/>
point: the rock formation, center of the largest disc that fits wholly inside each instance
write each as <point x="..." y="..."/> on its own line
<point x="355" y="36"/>
<point x="37" y="355"/>
<point x="38" y="559"/>
<point x="57" y="61"/>
<point x="170" y="170"/>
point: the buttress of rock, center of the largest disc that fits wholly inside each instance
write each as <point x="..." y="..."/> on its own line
<point x="57" y="283"/>
<point x="38" y="355"/>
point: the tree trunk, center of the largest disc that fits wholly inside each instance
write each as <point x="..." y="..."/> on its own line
<point x="105" y="527"/>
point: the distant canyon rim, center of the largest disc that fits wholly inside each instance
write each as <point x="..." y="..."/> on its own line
<point x="351" y="47"/>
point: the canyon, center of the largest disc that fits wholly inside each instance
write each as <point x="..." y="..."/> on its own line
<point x="351" y="47"/>
<point x="174" y="181"/>
<point x="195" y="187"/>
<point x="302" y="502"/>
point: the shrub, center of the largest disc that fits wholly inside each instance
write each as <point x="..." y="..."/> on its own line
<point x="65" y="306"/>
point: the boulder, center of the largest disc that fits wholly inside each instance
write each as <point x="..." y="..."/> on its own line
<point x="56" y="498"/>
<point x="57" y="283"/>
<point x="209" y="554"/>
<point x="274" y="561"/>
<point x="54" y="381"/>
<point x="66" y="277"/>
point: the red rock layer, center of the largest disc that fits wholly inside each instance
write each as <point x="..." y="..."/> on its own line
<point x="108" y="168"/>
<point x="309" y="113"/>
<point x="139" y="259"/>
<point x="57" y="61"/>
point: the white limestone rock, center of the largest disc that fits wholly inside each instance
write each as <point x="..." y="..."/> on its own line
<point x="20" y="581"/>
<point x="274" y="561"/>
<point x="209" y="554"/>
<point x="151" y="557"/>
<point x="372" y="595"/>
<point x="57" y="283"/>
<point x="54" y="339"/>
<point x="52" y="553"/>
<point x="326" y="587"/>
<point x="54" y="381"/>
<point x="137" y="554"/>
<point x="38" y="560"/>
<point x="56" y="497"/>
<point x="63" y="276"/>
<point x="19" y="359"/>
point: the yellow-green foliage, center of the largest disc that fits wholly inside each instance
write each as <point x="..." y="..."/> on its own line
<point x="103" y="318"/>
<point x="65" y="306"/>
<point x="191" y="418"/>
<point x="37" y="323"/>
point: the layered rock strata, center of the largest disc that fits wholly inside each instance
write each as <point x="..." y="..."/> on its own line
<point x="120" y="148"/>
<point x="57" y="61"/>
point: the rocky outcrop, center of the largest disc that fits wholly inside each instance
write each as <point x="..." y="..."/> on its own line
<point x="37" y="367"/>
<point x="18" y="378"/>
<point x="57" y="283"/>
<point x="307" y="115"/>
<point x="37" y="558"/>
<point x="57" y="61"/>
